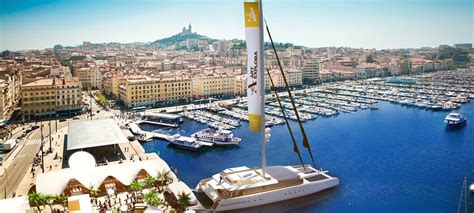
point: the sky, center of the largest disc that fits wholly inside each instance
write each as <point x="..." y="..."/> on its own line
<point x="380" y="24"/>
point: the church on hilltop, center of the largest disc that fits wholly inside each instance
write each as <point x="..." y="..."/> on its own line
<point x="187" y="31"/>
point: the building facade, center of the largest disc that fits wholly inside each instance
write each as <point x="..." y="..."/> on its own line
<point x="311" y="71"/>
<point x="9" y="93"/>
<point x="153" y="91"/>
<point x="51" y="97"/>
<point x="89" y="77"/>
<point x="213" y="85"/>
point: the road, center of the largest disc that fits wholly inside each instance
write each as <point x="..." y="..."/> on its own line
<point x="24" y="159"/>
<point x="31" y="145"/>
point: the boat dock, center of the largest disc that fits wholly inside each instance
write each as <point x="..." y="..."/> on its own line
<point x="148" y="136"/>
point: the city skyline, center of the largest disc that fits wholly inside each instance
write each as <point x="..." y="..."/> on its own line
<point x="359" y="24"/>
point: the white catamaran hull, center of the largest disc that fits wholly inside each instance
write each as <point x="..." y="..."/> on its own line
<point x="306" y="188"/>
<point x="233" y="142"/>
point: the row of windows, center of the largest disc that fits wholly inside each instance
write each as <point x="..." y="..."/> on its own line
<point x="51" y="103"/>
<point x="47" y="93"/>
<point x="165" y="95"/>
<point x="51" y="97"/>
<point x="155" y="91"/>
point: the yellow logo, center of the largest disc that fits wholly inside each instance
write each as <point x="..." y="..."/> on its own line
<point x="252" y="16"/>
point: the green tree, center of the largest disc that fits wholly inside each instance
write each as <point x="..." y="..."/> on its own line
<point x="136" y="186"/>
<point x="62" y="200"/>
<point x="164" y="178"/>
<point x="153" y="199"/>
<point x="150" y="181"/>
<point x="94" y="192"/>
<point x="49" y="200"/>
<point x="184" y="199"/>
<point x="36" y="199"/>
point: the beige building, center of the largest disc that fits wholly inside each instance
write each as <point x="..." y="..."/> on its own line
<point x="147" y="91"/>
<point x="294" y="78"/>
<point x="240" y="86"/>
<point x="9" y="93"/>
<point x="89" y="77"/>
<point x="51" y="97"/>
<point x="205" y="86"/>
<point x="111" y="84"/>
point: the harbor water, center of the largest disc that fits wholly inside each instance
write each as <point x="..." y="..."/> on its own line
<point x="394" y="159"/>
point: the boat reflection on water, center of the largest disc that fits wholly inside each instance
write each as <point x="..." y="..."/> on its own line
<point x="291" y="205"/>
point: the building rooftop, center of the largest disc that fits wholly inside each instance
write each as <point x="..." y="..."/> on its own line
<point x="93" y="133"/>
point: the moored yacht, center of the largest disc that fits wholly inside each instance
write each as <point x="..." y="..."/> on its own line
<point x="243" y="187"/>
<point x="218" y="137"/>
<point x="184" y="142"/>
<point x="455" y="119"/>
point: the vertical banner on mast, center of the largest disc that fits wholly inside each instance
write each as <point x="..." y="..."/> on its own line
<point x="254" y="71"/>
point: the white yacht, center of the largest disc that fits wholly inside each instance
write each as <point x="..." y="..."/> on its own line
<point x="184" y="142"/>
<point x="243" y="187"/>
<point x="218" y="137"/>
<point x="455" y="119"/>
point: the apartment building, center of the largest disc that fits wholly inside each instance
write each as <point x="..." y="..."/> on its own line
<point x="205" y="86"/>
<point x="145" y="91"/>
<point x="112" y="83"/>
<point x="9" y="93"/>
<point x="294" y="78"/>
<point x="51" y="97"/>
<point x="89" y="77"/>
<point x="311" y="71"/>
<point x="240" y="86"/>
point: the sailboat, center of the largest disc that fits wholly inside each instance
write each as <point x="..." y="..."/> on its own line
<point x="244" y="187"/>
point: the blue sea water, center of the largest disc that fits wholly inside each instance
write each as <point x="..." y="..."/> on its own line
<point x="394" y="159"/>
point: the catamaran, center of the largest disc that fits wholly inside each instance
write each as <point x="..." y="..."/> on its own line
<point x="244" y="187"/>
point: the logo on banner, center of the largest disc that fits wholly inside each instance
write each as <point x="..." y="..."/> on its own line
<point x="253" y="74"/>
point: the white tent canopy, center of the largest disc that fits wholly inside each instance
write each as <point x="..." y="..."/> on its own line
<point x="179" y="187"/>
<point x="93" y="133"/>
<point x="125" y="173"/>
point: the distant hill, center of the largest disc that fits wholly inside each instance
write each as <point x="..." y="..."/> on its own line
<point x="179" y="40"/>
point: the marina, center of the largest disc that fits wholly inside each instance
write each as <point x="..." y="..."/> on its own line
<point x="430" y="91"/>
<point x="361" y="138"/>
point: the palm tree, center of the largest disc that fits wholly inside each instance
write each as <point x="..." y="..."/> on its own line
<point x="62" y="200"/>
<point x="136" y="186"/>
<point x="167" y="177"/>
<point x="152" y="198"/>
<point x="36" y="199"/>
<point x="50" y="199"/>
<point x="184" y="199"/>
<point x="150" y="181"/>
<point x="94" y="192"/>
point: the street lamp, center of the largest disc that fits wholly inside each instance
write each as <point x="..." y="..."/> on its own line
<point x="6" y="182"/>
<point x="50" y="139"/>
<point x="42" y="152"/>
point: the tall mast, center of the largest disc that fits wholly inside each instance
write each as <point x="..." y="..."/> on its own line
<point x="255" y="71"/>
<point x="261" y="79"/>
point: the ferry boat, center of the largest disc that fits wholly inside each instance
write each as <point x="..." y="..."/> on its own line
<point x="184" y="142"/>
<point x="455" y="119"/>
<point x="218" y="137"/>
<point x="162" y="119"/>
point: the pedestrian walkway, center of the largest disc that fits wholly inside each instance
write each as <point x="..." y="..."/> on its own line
<point x="33" y="142"/>
<point x="52" y="161"/>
